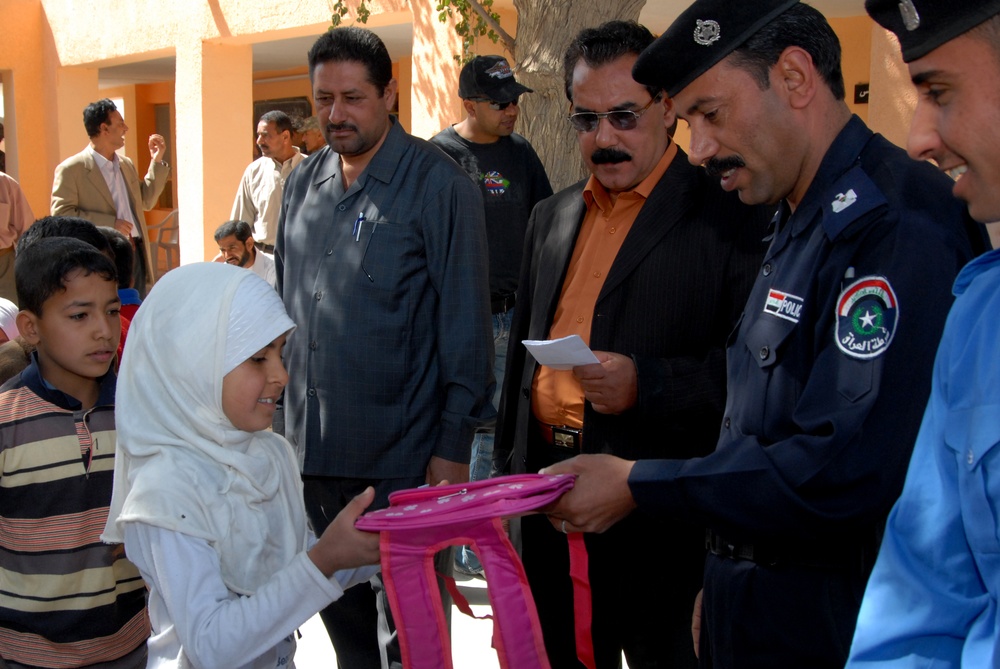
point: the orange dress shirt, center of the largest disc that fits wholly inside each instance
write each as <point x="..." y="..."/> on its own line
<point x="556" y="396"/>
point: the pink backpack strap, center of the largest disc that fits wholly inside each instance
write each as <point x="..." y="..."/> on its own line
<point x="583" y="611"/>
<point x="421" y="522"/>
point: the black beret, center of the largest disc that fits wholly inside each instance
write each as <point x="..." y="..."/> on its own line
<point x="924" y="25"/>
<point x="704" y="34"/>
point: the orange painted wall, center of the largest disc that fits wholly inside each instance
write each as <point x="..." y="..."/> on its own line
<point x="27" y="60"/>
<point x="49" y="61"/>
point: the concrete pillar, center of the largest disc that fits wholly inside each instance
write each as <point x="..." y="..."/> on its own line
<point x="77" y="88"/>
<point x="435" y="46"/>
<point x="214" y="96"/>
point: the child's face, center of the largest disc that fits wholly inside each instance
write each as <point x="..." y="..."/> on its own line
<point x="77" y="334"/>
<point x="250" y="391"/>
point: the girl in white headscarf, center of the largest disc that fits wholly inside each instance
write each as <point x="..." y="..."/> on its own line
<point x="207" y="501"/>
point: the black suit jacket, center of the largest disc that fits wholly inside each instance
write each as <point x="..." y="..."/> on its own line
<point x="673" y="294"/>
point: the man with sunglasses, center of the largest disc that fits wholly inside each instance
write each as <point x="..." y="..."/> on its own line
<point x="512" y="181"/>
<point x="830" y="366"/>
<point x="650" y="262"/>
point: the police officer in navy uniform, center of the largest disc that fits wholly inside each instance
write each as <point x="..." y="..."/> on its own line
<point x="829" y="368"/>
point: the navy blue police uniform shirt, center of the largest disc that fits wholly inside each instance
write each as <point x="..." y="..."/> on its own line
<point x="829" y="368"/>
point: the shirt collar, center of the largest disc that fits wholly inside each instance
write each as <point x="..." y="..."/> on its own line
<point x="382" y="165"/>
<point x="102" y="162"/>
<point x="32" y="377"/>
<point x="980" y="265"/>
<point x="842" y="155"/>
<point x="291" y="160"/>
<point x="594" y="193"/>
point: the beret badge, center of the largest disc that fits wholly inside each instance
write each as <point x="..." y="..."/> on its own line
<point x="911" y="18"/>
<point x="707" y="32"/>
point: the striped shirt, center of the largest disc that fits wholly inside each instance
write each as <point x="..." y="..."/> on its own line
<point x="66" y="598"/>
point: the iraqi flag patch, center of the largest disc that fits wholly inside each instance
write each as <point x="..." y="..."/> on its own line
<point x="867" y="315"/>
<point x="783" y="305"/>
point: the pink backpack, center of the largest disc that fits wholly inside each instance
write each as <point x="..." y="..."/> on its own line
<point x="420" y="522"/>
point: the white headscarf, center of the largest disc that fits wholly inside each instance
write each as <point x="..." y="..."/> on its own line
<point x="181" y="464"/>
<point x="8" y="318"/>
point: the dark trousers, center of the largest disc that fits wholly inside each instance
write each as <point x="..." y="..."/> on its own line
<point x="762" y="617"/>
<point x="644" y="577"/>
<point x="360" y="623"/>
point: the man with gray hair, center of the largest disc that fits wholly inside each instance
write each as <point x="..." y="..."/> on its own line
<point x="258" y="198"/>
<point x="311" y="136"/>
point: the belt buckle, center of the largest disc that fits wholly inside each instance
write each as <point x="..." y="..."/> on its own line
<point x="566" y="438"/>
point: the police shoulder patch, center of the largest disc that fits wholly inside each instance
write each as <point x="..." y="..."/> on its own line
<point x="867" y="315"/>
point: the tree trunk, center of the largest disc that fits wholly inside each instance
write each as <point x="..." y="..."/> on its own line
<point x="544" y="30"/>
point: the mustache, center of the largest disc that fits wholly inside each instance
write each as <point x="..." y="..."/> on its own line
<point x="612" y="156"/>
<point x="337" y="127"/>
<point x="716" y="166"/>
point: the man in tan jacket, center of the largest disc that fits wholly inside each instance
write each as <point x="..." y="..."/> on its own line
<point x="99" y="185"/>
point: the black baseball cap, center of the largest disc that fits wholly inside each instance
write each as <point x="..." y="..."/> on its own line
<point x="489" y="77"/>
<point x="924" y="25"/>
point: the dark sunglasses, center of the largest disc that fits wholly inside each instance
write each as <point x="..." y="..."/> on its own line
<point x="497" y="106"/>
<point x="621" y="119"/>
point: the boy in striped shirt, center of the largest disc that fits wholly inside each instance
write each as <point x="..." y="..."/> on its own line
<point x="66" y="598"/>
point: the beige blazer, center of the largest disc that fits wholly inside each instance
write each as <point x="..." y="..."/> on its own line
<point x="79" y="189"/>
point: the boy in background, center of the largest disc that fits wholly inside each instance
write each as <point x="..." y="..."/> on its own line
<point x="70" y="600"/>
<point x="121" y="247"/>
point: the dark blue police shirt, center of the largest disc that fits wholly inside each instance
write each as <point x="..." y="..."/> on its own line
<point x="829" y="369"/>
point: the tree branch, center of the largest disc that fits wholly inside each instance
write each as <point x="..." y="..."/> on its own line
<point x="508" y="41"/>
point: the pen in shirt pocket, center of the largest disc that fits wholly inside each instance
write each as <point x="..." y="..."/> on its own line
<point x="356" y="232"/>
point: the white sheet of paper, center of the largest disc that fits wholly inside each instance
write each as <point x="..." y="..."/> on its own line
<point x="565" y="353"/>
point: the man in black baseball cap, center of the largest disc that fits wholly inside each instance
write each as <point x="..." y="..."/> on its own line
<point x="831" y="363"/>
<point x="932" y="597"/>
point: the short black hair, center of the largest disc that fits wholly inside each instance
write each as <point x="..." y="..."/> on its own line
<point x="121" y="246"/>
<point x="239" y="228"/>
<point x="64" y="226"/>
<point x="97" y="113"/>
<point x="802" y="26"/>
<point x="605" y="44"/>
<point x="988" y="31"/>
<point x="41" y="270"/>
<point x="354" y="44"/>
<point x="280" y="119"/>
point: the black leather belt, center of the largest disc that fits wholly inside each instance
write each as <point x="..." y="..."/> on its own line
<point x="501" y="304"/>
